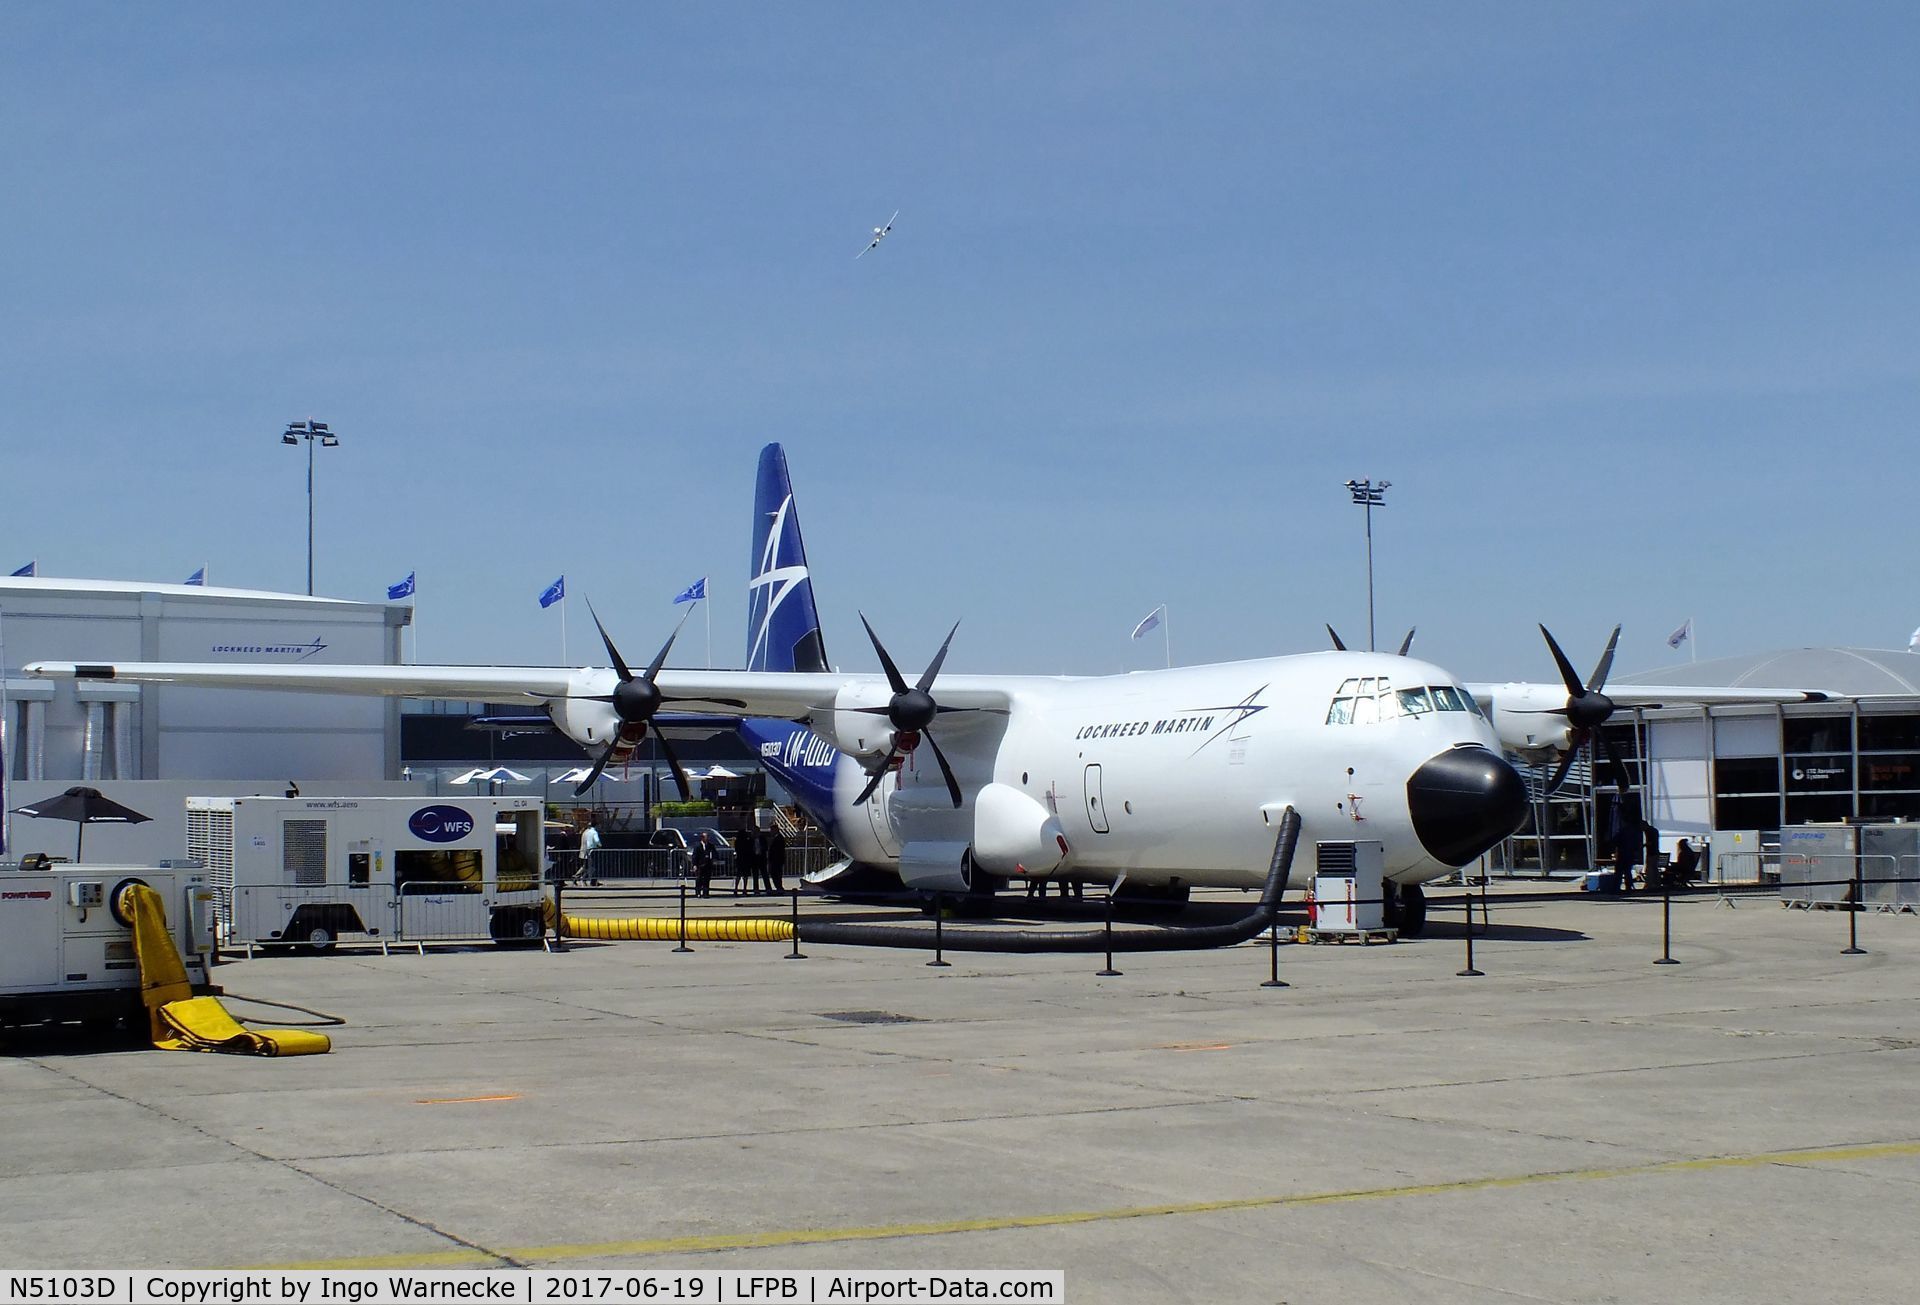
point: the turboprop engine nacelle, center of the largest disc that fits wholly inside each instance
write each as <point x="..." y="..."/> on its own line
<point x="1014" y="835"/>
<point x="585" y="722"/>
<point x="863" y="735"/>
<point x="1524" y="717"/>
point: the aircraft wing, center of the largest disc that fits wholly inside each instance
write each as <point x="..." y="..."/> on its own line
<point x="782" y="694"/>
<point x="1654" y="695"/>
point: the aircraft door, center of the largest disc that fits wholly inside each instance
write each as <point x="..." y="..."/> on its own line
<point x="1096" y="801"/>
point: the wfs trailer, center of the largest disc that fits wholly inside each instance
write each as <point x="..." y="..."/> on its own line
<point x="316" y="871"/>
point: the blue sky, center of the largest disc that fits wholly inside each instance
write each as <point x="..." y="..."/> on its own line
<point x="1623" y="299"/>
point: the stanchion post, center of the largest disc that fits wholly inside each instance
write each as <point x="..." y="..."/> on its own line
<point x="939" y="911"/>
<point x="1855" y="900"/>
<point x="1109" y="972"/>
<point x="796" y="954"/>
<point x="1666" y="923"/>
<point x="683" y="919"/>
<point x="1273" y="955"/>
<point x="1469" y="973"/>
<point x="559" y="912"/>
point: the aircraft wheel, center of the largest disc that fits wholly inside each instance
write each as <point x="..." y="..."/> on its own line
<point x="1413" y="910"/>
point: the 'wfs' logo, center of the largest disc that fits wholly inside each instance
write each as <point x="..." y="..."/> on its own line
<point x="440" y="824"/>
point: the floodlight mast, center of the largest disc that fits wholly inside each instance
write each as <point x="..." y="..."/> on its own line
<point x="312" y="432"/>
<point x="1369" y="496"/>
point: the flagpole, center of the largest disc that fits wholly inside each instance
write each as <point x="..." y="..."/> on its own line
<point x="563" y="622"/>
<point x="709" y="608"/>
<point x="1166" y="631"/>
<point x="1693" y="643"/>
<point x="6" y="741"/>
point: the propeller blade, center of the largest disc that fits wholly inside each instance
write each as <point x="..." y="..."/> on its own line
<point x="673" y="760"/>
<point x="894" y="679"/>
<point x="878" y="775"/>
<point x="1407" y="642"/>
<point x="1606" y="663"/>
<point x="665" y="648"/>
<point x="1567" y="675"/>
<point x="619" y="663"/>
<point x="598" y="766"/>
<point x="1339" y="645"/>
<point x="933" y="667"/>
<point x="1560" y="771"/>
<point x="946" y="771"/>
<point x="724" y="702"/>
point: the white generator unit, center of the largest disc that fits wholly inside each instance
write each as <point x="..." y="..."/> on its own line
<point x="1348" y="885"/>
<point x="316" y="871"/>
<point x="66" y="950"/>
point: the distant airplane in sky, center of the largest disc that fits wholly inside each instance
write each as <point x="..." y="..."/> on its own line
<point x="879" y="234"/>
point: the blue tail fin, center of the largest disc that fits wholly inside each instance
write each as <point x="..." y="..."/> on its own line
<point x="783" y="626"/>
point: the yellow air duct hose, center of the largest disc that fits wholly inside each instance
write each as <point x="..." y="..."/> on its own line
<point x="180" y="1021"/>
<point x="650" y="928"/>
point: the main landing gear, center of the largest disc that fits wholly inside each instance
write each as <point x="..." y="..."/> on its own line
<point x="1405" y="909"/>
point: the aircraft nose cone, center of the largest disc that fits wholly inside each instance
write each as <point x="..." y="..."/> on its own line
<point x="1463" y="802"/>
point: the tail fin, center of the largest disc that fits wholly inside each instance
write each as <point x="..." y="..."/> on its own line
<point x="783" y="626"/>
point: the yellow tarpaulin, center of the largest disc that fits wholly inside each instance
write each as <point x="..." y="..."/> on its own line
<point x="180" y="1021"/>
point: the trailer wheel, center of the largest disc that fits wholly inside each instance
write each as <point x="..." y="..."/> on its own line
<point x="320" y="938"/>
<point x="518" y="928"/>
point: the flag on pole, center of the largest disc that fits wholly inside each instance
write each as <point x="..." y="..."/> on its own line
<point x="693" y="593"/>
<point x="31" y="568"/>
<point x="402" y="590"/>
<point x="1152" y="622"/>
<point x="1681" y="635"/>
<point x="554" y="592"/>
<point x="1913" y="642"/>
<point x="197" y="578"/>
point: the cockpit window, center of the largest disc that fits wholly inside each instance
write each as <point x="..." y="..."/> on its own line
<point x="1363" y="701"/>
<point x="1449" y="697"/>
<point x="1416" y="702"/>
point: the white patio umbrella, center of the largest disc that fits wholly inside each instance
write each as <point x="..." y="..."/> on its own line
<point x="579" y="773"/>
<point x="498" y="775"/>
<point x="720" y="772"/>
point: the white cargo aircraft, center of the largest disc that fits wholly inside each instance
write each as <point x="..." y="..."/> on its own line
<point x="1159" y="779"/>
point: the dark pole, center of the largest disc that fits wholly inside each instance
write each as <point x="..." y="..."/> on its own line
<point x="1666" y="923"/>
<point x="1469" y="972"/>
<point x="1273" y="955"/>
<point x="683" y="919"/>
<point x="310" y="520"/>
<point x="559" y="911"/>
<point x="939" y="910"/>
<point x="1109" y="972"/>
<point x="796" y="954"/>
<point x="1371" y="647"/>
<point x="1854" y="903"/>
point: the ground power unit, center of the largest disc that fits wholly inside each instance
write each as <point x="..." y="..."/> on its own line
<point x="317" y="871"/>
<point x="1348" y="886"/>
<point x="66" y="945"/>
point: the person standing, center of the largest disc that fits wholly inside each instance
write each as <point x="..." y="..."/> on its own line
<point x="702" y="865"/>
<point x="589" y="844"/>
<point x="776" y="855"/>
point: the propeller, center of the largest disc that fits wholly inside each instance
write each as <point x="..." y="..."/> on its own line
<point x="1339" y="645"/>
<point x="911" y="712"/>
<point x="1587" y="707"/>
<point x="635" y="699"/>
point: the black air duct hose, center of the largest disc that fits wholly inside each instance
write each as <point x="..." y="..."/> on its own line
<point x="1174" y="939"/>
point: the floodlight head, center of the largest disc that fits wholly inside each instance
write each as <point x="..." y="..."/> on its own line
<point x="329" y="441"/>
<point x="319" y="427"/>
<point x="289" y="438"/>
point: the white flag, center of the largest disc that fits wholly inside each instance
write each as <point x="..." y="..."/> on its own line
<point x="1681" y="635"/>
<point x="1913" y="643"/>
<point x="1153" y="619"/>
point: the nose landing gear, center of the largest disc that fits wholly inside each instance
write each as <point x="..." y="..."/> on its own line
<point x="1405" y="908"/>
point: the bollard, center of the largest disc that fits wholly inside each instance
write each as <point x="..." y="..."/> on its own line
<point x="683" y="919"/>
<point x="1469" y="972"/>
<point x="1273" y="952"/>
<point x="796" y="954"/>
<point x="1854" y="903"/>
<point x="939" y="910"/>
<point x="559" y="913"/>
<point x="1109" y="972"/>
<point x="1666" y="925"/>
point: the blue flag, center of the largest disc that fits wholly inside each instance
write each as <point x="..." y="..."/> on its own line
<point x="31" y="568"/>
<point x="693" y="593"/>
<point x="402" y="590"/>
<point x="197" y="578"/>
<point x="554" y="592"/>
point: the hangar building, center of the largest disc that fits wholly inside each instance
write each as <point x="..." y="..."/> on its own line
<point x="99" y="730"/>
